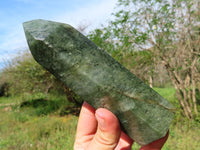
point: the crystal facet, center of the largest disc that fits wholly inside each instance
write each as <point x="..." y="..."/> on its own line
<point x="99" y="79"/>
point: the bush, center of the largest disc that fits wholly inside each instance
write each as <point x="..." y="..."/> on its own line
<point x="25" y="75"/>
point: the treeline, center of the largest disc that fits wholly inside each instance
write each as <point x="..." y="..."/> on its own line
<point x="159" y="41"/>
<point x="23" y="75"/>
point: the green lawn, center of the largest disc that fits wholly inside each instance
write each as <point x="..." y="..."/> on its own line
<point x="46" y="122"/>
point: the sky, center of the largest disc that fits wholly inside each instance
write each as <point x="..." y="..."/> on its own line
<point x="74" y="12"/>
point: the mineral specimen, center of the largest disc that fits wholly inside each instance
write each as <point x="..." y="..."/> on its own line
<point x="99" y="79"/>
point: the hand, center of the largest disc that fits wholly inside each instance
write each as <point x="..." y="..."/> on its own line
<point x="100" y="130"/>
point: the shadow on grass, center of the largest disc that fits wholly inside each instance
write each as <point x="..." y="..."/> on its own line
<point x="73" y="110"/>
<point x="38" y="103"/>
<point x="43" y="106"/>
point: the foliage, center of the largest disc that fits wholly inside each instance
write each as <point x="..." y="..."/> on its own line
<point x="169" y="33"/>
<point x="24" y="75"/>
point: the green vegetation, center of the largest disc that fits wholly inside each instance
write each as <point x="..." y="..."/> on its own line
<point x="159" y="41"/>
<point x="41" y="121"/>
<point x="36" y="122"/>
<point x="30" y="76"/>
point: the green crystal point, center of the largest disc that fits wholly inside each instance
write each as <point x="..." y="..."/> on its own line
<point x="99" y="79"/>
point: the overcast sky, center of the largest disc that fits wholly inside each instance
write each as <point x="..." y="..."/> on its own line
<point x="74" y="12"/>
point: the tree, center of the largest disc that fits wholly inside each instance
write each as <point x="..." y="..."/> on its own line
<point x="170" y="32"/>
<point x="24" y="74"/>
<point x="138" y="62"/>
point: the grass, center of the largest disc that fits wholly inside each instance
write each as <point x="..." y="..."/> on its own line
<point x="36" y="123"/>
<point x="44" y="132"/>
<point x="168" y="94"/>
<point x="47" y="122"/>
<point x="184" y="136"/>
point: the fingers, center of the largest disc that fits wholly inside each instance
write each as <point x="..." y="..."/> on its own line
<point x="100" y="130"/>
<point x="125" y="142"/>
<point x="156" y="145"/>
<point x="108" y="131"/>
<point x="87" y="126"/>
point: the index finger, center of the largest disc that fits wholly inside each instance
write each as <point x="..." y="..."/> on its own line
<point x="87" y="123"/>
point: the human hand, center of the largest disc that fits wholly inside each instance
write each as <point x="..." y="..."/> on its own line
<point x="100" y="130"/>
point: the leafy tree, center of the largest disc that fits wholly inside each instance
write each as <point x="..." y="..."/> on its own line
<point x="169" y="32"/>
<point x="139" y="62"/>
<point x="25" y="75"/>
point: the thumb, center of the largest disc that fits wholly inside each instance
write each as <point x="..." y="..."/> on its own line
<point x="108" y="131"/>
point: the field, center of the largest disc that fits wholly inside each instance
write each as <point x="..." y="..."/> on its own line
<point x="48" y="122"/>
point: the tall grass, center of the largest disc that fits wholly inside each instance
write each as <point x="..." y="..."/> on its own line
<point x="43" y="122"/>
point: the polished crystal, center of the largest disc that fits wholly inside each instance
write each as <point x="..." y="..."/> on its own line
<point x="99" y="79"/>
